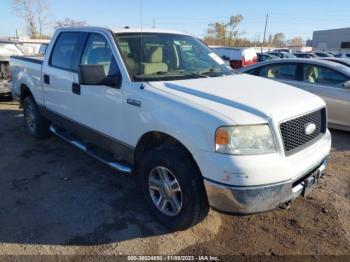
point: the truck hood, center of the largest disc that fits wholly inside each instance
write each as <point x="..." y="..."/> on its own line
<point x="245" y="99"/>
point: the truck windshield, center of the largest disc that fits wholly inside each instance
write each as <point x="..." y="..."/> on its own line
<point x="159" y="57"/>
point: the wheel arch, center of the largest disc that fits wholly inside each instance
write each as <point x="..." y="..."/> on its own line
<point x="25" y="92"/>
<point x="154" y="139"/>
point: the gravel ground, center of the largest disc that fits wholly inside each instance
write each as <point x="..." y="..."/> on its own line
<point x="57" y="200"/>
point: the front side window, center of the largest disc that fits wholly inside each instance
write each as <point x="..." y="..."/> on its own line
<point x="324" y="76"/>
<point x="98" y="52"/>
<point x="157" y="57"/>
<point x="287" y="72"/>
<point x="64" y="50"/>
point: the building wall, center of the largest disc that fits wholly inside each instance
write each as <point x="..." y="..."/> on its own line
<point x="331" y="39"/>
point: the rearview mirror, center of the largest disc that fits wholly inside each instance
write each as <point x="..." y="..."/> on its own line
<point x="96" y="75"/>
<point x="347" y="85"/>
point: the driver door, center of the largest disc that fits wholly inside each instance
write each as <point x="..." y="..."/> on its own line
<point x="101" y="104"/>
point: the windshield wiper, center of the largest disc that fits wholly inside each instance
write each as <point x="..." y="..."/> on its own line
<point x="211" y="70"/>
<point x="170" y="74"/>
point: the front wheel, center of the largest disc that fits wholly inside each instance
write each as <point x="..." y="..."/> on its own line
<point x="173" y="187"/>
<point x="36" y="124"/>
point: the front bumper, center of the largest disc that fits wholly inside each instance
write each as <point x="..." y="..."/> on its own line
<point x="255" y="199"/>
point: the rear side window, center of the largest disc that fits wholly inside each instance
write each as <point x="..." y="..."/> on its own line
<point x="65" y="50"/>
<point x="287" y="71"/>
<point x="321" y="75"/>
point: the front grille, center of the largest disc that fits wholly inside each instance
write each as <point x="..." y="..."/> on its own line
<point x="294" y="131"/>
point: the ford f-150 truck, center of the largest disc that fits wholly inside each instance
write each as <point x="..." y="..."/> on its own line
<point x="161" y="105"/>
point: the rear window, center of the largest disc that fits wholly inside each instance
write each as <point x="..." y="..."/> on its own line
<point x="64" y="50"/>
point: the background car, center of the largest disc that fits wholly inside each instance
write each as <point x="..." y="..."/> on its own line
<point x="329" y="80"/>
<point x="282" y="54"/>
<point x="7" y="49"/>
<point x="265" y="57"/>
<point x="323" y="54"/>
<point x="305" y="55"/>
<point x="237" y="57"/>
<point x="343" y="61"/>
<point x="343" y="55"/>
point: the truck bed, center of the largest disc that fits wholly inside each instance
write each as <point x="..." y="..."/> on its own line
<point x="31" y="59"/>
<point x="26" y="70"/>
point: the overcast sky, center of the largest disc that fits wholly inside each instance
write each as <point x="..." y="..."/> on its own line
<point x="292" y="17"/>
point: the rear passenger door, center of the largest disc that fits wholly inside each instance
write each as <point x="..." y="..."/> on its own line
<point x="59" y="73"/>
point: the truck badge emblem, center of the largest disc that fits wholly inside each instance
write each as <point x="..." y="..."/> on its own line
<point x="310" y="128"/>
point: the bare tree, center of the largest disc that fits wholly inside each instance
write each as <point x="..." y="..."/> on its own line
<point x="220" y="33"/>
<point x="42" y="8"/>
<point x="232" y="27"/>
<point x="68" y="22"/>
<point x="279" y="40"/>
<point x="33" y="13"/>
<point x="296" y="41"/>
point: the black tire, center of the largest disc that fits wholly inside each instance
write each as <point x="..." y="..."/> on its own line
<point x="36" y="124"/>
<point x="195" y="205"/>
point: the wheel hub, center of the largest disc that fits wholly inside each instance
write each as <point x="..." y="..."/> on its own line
<point x="165" y="191"/>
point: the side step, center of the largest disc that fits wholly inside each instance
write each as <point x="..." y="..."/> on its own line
<point x="83" y="147"/>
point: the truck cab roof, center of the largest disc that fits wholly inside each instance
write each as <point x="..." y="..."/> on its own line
<point x="121" y="30"/>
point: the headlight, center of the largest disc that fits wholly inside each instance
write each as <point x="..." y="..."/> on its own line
<point x="244" y="140"/>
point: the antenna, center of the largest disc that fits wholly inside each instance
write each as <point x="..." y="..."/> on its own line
<point x="141" y="15"/>
<point x="267" y="20"/>
<point x="141" y="42"/>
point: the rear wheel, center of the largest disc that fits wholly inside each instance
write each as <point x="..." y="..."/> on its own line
<point x="173" y="187"/>
<point x="36" y="124"/>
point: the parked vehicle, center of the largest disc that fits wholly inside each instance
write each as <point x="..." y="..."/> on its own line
<point x="7" y="48"/>
<point x="305" y="55"/>
<point x="323" y="54"/>
<point x="329" y="80"/>
<point x="237" y="57"/>
<point x="265" y="57"/>
<point x="341" y="55"/>
<point x="285" y="50"/>
<point x="343" y="61"/>
<point x="169" y="110"/>
<point x="281" y="54"/>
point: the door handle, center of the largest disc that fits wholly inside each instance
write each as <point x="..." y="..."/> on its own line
<point x="76" y="88"/>
<point x="47" y="79"/>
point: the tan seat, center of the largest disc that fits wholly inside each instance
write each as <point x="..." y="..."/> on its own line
<point x="156" y="63"/>
<point x="311" y="75"/>
<point x="273" y="73"/>
<point x="132" y="66"/>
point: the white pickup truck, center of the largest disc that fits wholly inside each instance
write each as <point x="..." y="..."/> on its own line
<point x="161" y="105"/>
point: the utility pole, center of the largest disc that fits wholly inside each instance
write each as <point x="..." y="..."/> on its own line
<point x="267" y="20"/>
<point x="154" y="23"/>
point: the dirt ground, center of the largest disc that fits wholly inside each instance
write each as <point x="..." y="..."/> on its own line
<point x="56" y="200"/>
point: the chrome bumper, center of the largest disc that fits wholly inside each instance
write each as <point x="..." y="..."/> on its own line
<point x="256" y="199"/>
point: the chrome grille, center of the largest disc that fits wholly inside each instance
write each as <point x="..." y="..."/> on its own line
<point x="294" y="131"/>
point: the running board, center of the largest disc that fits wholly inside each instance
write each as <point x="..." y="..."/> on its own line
<point x="80" y="145"/>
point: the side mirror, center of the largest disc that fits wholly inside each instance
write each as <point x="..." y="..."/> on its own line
<point x="347" y="84"/>
<point x="96" y="75"/>
<point x="226" y="58"/>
